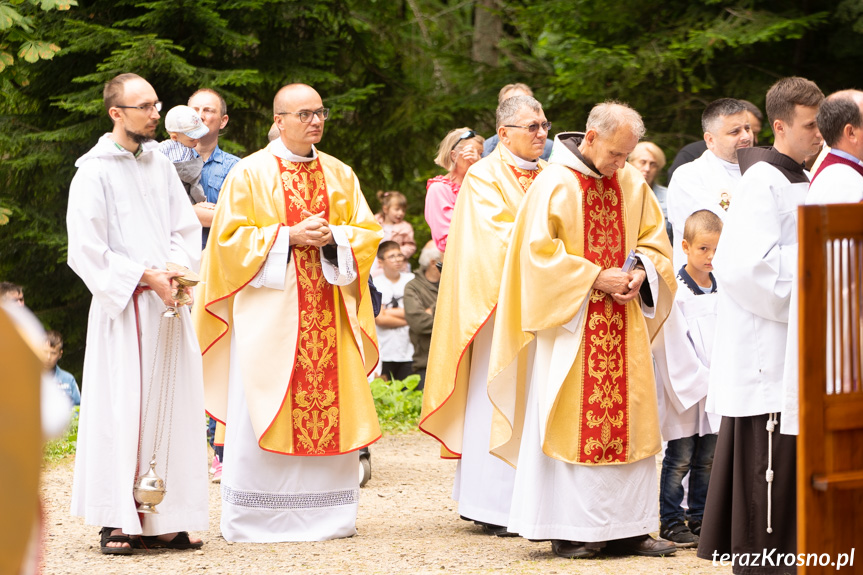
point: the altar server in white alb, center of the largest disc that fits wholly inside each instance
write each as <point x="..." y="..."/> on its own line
<point x="838" y="180"/>
<point x="754" y="467"/>
<point x="681" y="353"/>
<point x="128" y="216"/>
<point x="707" y="182"/>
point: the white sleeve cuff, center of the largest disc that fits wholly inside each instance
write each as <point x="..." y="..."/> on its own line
<point x="345" y="272"/>
<point x="652" y="281"/>
<point x="272" y="273"/>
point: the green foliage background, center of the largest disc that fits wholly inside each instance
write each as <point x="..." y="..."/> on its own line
<point x="398" y="74"/>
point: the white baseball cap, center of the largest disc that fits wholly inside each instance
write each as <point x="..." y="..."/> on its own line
<point x="185" y="120"/>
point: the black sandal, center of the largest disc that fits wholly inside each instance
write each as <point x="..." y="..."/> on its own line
<point x="122" y="538"/>
<point x="180" y="541"/>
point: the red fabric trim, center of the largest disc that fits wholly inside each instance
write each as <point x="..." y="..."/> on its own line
<point x="836" y="159"/>
<point x="457" y="367"/>
<point x="217" y="300"/>
<point x="604" y="425"/>
<point x="320" y="454"/>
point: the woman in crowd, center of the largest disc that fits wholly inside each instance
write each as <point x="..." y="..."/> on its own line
<point x="458" y="151"/>
<point x="650" y="159"/>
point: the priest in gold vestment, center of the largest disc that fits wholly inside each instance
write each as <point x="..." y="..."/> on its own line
<point x="581" y="423"/>
<point x="456" y="409"/>
<point x="287" y="333"/>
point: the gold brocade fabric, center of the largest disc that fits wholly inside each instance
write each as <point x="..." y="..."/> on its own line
<point x="251" y="212"/>
<point x="478" y="237"/>
<point x="547" y="278"/>
<point x="20" y="443"/>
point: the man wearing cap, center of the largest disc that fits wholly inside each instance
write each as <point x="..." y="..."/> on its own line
<point x="185" y="127"/>
<point x="213" y="109"/>
<point x="128" y="216"/>
<point x="287" y="333"/>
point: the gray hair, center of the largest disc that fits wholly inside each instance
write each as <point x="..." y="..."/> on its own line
<point x="719" y="109"/>
<point x="510" y="108"/>
<point x="606" y="118"/>
<point x="429" y="254"/>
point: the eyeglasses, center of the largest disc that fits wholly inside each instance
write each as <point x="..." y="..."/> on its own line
<point x="305" y="116"/>
<point x="465" y="136"/>
<point x="146" y="107"/>
<point x="533" y="128"/>
<point x="395" y="257"/>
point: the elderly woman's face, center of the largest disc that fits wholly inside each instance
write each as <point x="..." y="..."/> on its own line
<point x="646" y="164"/>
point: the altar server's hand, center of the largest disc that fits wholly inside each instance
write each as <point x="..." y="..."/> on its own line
<point x="314" y="230"/>
<point x="162" y="282"/>
<point x="634" y="286"/>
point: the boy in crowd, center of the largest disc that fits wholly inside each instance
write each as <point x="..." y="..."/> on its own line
<point x="65" y="380"/>
<point x="185" y="127"/>
<point x="682" y="355"/>
<point x="12" y="293"/>
<point x="393" y="332"/>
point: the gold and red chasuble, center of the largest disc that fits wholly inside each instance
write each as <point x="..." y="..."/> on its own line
<point x="524" y="177"/>
<point x="314" y="387"/>
<point x="604" y="434"/>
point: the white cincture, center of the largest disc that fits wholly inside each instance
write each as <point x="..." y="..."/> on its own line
<point x="771" y="425"/>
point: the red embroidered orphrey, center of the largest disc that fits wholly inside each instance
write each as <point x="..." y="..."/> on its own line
<point x="604" y="436"/>
<point x="314" y="387"/>
<point x="524" y="177"/>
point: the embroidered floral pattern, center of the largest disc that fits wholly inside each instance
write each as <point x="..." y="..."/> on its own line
<point x="315" y="380"/>
<point x="604" y="427"/>
<point x="524" y="177"/>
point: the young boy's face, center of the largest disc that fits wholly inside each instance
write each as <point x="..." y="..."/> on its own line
<point x="699" y="253"/>
<point x="184" y="139"/>
<point x="53" y="353"/>
<point x="392" y="261"/>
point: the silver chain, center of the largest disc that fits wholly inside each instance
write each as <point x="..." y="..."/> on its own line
<point x="165" y="409"/>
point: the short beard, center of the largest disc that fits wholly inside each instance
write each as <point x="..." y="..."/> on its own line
<point x="138" y="138"/>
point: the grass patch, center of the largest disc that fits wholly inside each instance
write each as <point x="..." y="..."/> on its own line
<point x="65" y="446"/>
<point x="398" y="403"/>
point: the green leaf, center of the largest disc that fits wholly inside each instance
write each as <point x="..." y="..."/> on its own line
<point x="35" y="50"/>
<point x="47" y="5"/>
<point x="9" y="17"/>
<point x="4" y="216"/>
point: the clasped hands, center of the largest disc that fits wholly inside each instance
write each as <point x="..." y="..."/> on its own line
<point x="620" y="285"/>
<point x="313" y="230"/>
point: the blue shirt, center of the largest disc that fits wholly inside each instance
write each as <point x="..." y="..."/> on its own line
<point x="66" y="382"/>
<point x="213" y="175"/>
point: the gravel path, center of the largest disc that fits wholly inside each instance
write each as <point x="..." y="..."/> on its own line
<point x="407" y="524"/>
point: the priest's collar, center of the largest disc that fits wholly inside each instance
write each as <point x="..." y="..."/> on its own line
<point x="846" y="155"/>
<point x="278" y="149"/>
<point x="521" y="162"/>
<point x="565" y="151"/>
<point x="794" y="172"/>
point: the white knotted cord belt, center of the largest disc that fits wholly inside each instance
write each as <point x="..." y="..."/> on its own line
<point x="771" y="425"/>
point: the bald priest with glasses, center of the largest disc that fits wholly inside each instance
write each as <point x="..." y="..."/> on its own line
<point x="456" y="408"/>
<point x="287" y="333"/>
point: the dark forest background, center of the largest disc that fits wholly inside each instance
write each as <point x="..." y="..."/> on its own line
<point x="398" y="74"/>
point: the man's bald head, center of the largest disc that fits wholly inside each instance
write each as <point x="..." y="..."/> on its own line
<point x="287" y="97"/>
<point x="299" y="114"/>
<point x="838" y="111"/>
